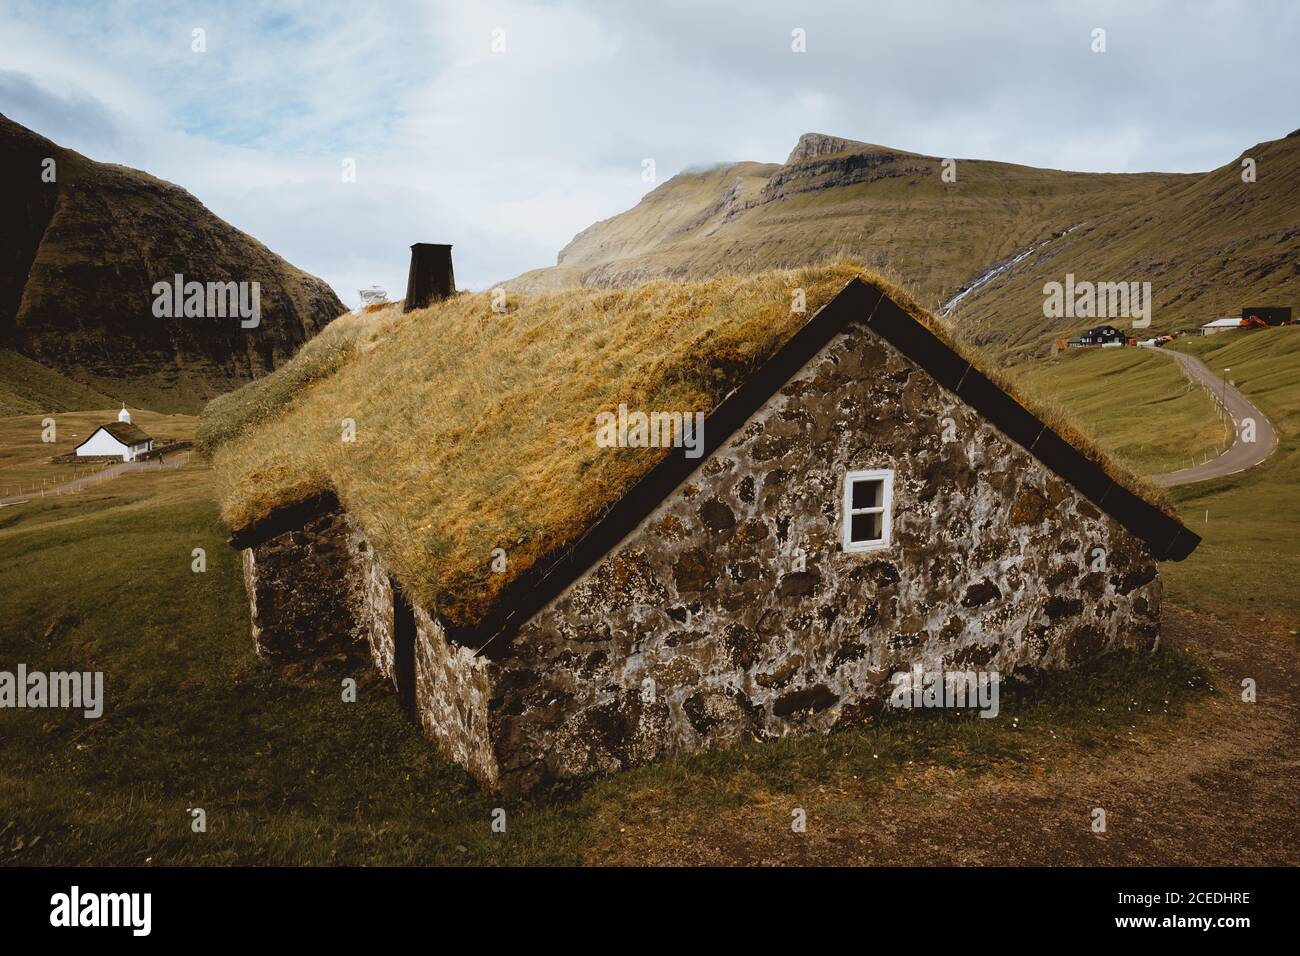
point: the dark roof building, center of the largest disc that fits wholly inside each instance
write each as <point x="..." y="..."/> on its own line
<point x="126" y="432"/>
<point x="121" y="438"/>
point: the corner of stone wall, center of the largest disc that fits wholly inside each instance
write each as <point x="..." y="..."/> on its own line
<point x="248" y="560"/>
<point x="370" y="594"/>
<point x="320" y="592"/>
<point x="453" y="689"/>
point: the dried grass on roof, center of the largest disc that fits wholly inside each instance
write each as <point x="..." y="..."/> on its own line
<point x="475" y="430"/>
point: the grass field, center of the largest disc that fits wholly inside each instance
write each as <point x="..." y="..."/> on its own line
<point x="288" y="773"/>
<point x="27" y="387"/>
<point x="1136" y="408"/>
<point x="25" y="458"/>
<point x="1250" y="558"/>
<point x="1136" y="404"/>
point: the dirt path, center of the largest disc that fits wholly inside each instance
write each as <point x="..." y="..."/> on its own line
<point x="1220" y="786"/>
<point x="114" y="471"/>
<point x="1242" y="454"/>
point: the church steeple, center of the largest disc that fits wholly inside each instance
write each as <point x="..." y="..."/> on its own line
<point x="124" y="415"/>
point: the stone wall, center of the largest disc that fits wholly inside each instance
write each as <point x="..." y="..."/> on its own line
<point x="303" y="587"/>
<point x="370" y="595"/>
<point x="453" y="687"/>
<point x="733" y="611"/>
<point x="320" y="594"/>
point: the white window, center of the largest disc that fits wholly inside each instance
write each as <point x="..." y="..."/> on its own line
<point x="868" y="506"/>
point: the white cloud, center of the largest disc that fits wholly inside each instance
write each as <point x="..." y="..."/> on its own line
<point x="507" y="155"/>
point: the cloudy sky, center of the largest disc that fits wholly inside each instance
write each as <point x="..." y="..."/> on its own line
<point x="505" y="128"/>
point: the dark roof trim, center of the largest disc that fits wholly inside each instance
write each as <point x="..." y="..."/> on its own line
<point x="544" y="581"/>
<point x="288" y="518"/>
<point x="1165" y="535"/>
<point x="125" y="432"/>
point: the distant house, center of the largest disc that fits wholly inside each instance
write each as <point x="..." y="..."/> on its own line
<point x="1221" y="325"/>
<point x="119" y="439"/>
<point x="1267" y="314"/>
<point x="1101" y="335"/>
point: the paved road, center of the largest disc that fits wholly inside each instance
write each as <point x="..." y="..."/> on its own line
<point x="1242" y="454"/>
<point x="113" y="471"/>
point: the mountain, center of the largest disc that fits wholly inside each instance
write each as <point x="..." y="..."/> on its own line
<point x="79" y="258"/>
<point x="838" y="197"/>
<point x="1210" y="245"/>
<point x="1206" y="241"/>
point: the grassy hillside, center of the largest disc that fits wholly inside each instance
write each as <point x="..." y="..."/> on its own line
<point x="835" y="198"/>
<point x="1250" y="521"/>
<point x="1209" y="245"/>
<point x="1248" y="562"/>
<point x="29" y="387"/>
<point x="695" y="204"/>
<point x="1136" y="403"/>
<point x="79" y="257"/>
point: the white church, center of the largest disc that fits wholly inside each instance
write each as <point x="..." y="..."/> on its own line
<point x="119" y="439"/>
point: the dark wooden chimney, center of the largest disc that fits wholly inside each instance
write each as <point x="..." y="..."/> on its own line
<point x="430" y="279"/>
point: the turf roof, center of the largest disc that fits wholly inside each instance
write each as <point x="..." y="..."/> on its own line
<point x="125" y="432"/>
<point x="474" y="430"/>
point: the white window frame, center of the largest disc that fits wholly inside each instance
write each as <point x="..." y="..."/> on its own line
<point x="885" y="510"/>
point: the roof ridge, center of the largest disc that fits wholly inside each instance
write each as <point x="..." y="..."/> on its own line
<point x="123" y="431"/>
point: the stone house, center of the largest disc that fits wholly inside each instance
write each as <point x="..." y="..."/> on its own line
<point x="866" y="502"/>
